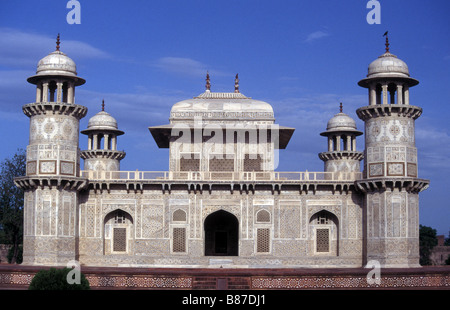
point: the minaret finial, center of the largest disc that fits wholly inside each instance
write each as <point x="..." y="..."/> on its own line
<point x="387" y="41"/>
<point x="208" y="83"/>
<point x="103" y="105"/>
<point x="236" y="84"/>
<point x="57" y="42"/>
<point x="340" y="108"/>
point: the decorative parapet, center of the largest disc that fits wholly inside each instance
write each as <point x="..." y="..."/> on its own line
<point x="242" y="181"/>
<point x="304" y="176"/>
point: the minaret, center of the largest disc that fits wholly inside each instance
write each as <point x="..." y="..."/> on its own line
<point x="102" y="153"/>
<point x="52" y="182"/>
<point x="342" y="158"/>
<point x="390" y="179"/>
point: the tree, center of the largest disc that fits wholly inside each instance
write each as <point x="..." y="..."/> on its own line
<point x="11" y="202"/>
<point x="427" y="241"/>
<point x="56" y="279"/>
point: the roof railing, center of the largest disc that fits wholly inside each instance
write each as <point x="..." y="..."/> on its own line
<point x="220" y="176"/>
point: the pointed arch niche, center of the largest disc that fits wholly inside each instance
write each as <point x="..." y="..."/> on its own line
<point x="324" y="232"/>
<point x="118" y="232"/>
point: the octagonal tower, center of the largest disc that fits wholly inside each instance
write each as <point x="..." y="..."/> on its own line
<point x="390" y="177"/>
<point x="52" y="179"/>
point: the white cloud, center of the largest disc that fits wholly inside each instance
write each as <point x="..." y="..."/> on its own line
<point x="24" y="49"/>
<point x="316" y="35"/>
<point x="433" y="146"/>
<point x="143" y="109"/>
<point x="15" y="91"/>
<point x="184" y="66"/>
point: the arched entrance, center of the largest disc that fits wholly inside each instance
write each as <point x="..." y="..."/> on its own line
<point x="221" y="234"/>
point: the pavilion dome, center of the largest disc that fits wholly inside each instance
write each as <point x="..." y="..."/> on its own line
<point x="56" y="64"/>
<point x="341" y="122"/>
<point x="104" y="122"/>
<point x="388" y="65"/>
<point x="101" y="121"/>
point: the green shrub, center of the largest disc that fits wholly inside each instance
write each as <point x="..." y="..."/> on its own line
<point x="56" y="279"/>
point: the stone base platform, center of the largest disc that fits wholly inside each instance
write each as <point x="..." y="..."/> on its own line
<point x="105" y="278"/>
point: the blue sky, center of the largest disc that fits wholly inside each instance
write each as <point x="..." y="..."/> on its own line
<point x="303" y="57"/>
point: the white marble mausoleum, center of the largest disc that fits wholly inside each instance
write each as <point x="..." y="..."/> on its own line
<point x="222" y="203"/>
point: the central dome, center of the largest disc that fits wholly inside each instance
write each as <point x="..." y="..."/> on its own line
<point x="221" y="106"/>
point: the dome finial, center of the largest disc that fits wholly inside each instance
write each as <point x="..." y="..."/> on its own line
<point x="57" y="42"/>
<point x="208" y="83"/>
<point x="340" y="107"/>
<point x="387" y="41"/>
<point x="236" y="84"/>
<point x="103" y="105"/>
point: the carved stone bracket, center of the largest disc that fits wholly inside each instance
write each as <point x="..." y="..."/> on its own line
<point x="242" y="187"/>
<point x="70" y="183"/>
<point x="377" y="110"/>
<point x="411" y="185"/>
<point x="39" y="108"/>
<point x="110" y="154"/>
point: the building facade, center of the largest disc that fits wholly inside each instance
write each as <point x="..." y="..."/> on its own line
<point x="221" y="204"/>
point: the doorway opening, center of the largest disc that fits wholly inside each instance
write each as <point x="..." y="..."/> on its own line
<point x="221" y="234"/>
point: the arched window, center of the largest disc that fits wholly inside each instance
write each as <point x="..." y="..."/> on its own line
<point x="325" y="231"/>
<point x="263" y="216"/>
<point x="179" y="231"/>
<point x="263" y="232"/>
<point x="118" y="232"/>
<point x="179" y="216"/>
